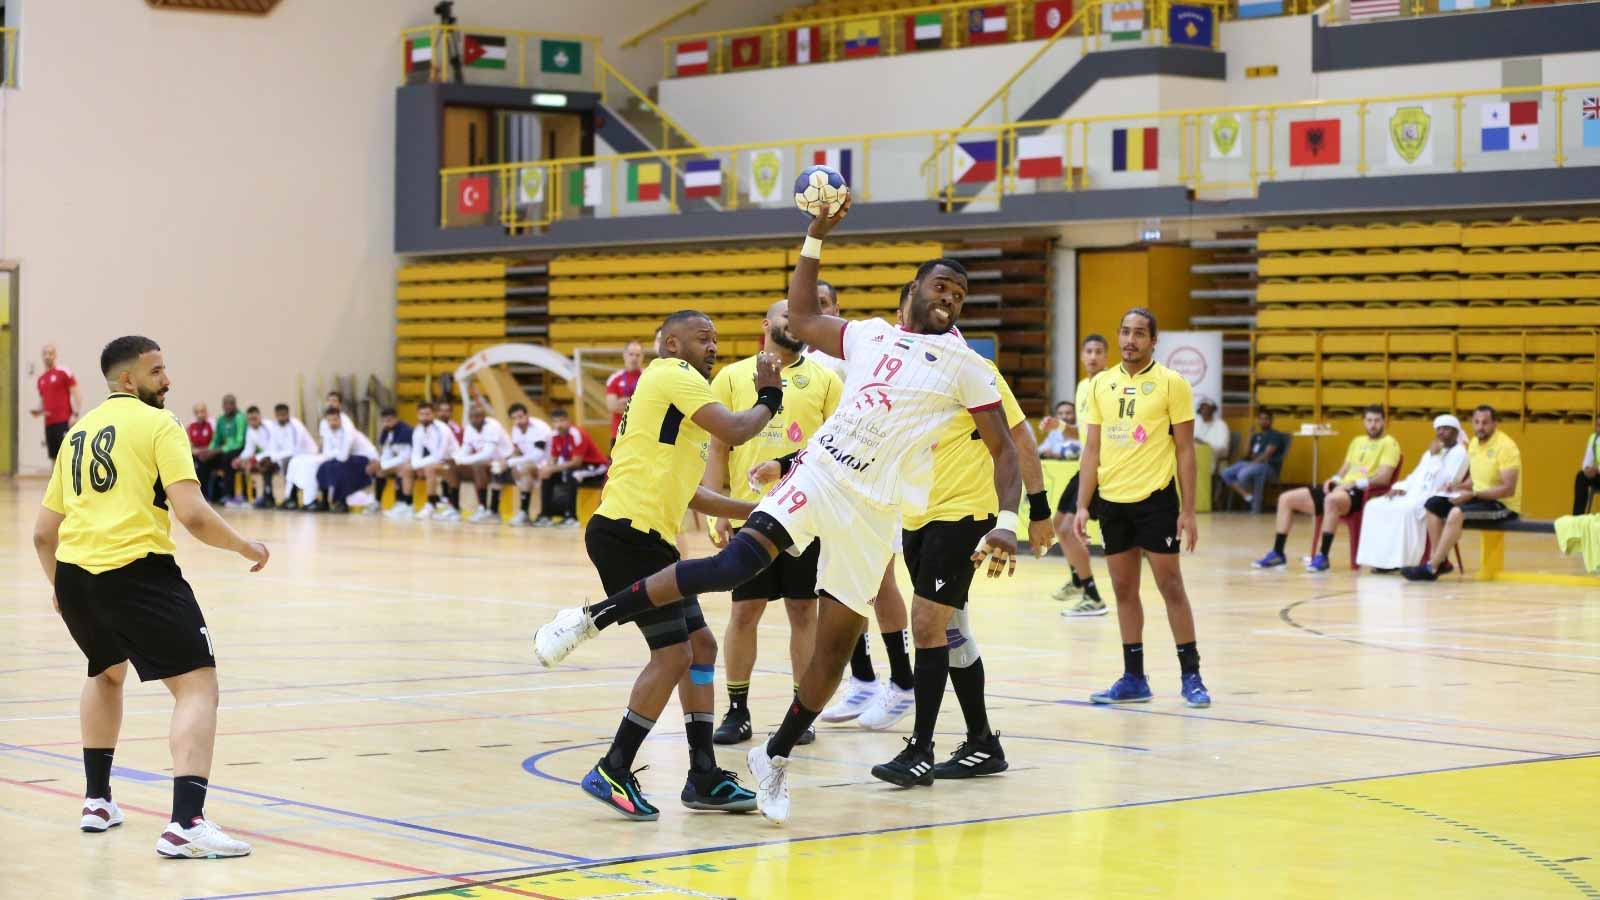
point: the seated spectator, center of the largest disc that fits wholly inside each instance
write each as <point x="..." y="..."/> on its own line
<point x="301" y="473"/>
<point x="1392" y="526"/>
<point x="1588" y="480"/>
<point x="1061" y="439"/>
<point x="394" y="460"/>
<point x="228" y="442"/>
<point x="1369" y="462"/>
<point x="1264" y="460"/>
<point x="530" y="438"/>
<point x="256" y="441"/>
<point x="1492" y="491"/>
<point x="432" y="446"/>
<point x="201" y="432"/>
<point x="574" y="460"/>
<point x="287" y="437"/>
<point x="343" y="471"/>
<point x="483" y="455"/>
<point x="1212" y="430"/>
<point x="444" y="411"/>
<point x="622" y="383"/>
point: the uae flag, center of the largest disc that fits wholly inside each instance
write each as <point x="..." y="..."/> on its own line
<point x="419" y="53"/>
<point x="483" y="51"/>
<point x="835" y="158"/>
<point x="986" y="25"/>
<point x="745" y="52"/>
<point x="924" y="31"/>
<point x="702" y="178"/>
<point x="804" y="45"/>
<point x="694" y="58"/>
<point x="1314" y="142"/>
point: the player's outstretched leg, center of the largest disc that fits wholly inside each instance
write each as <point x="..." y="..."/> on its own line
<point x="980" y="753"/>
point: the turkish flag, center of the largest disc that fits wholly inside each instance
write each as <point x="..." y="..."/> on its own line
<point x="1314" y="143"/>
<point x="472" y="195"/>
<point x="1048" y="15"/>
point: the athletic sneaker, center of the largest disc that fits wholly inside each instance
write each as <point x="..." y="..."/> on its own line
<point x="556" y="639"/>
<point x="975" y="756"/>
<point x="1086" y="606"/>
<point x="1318" y="563"/>
<point x="541" y="522"/>
<point x="809" y="736"/>
<point x="717" y="791"/>
<point x="1273" y="559"/>
<point x="263" y="502"/>
<point x="425" y="513"/>
<point x="1065" y="592"/>
<point x="858" y="695"/>
<point x="202" y="840"/>
<point x="400" y="512"/>
<point x="373" y="509"/>
<point x="1423" y="572"/>
<point x="1194" y="691"/>
<point x="620" y="792"/>
<point x="1128" y="689"/>
<point x="483" y="515"/>
<point x="521" y="518"/>
<point x="289" y="505"/>
<point x="912" y="767"/>
<point x="568" y="523"/>
<point x="893" y="704"/>
<point x="735" y="727"/>
<point x="99" y="815"/>
<point x="771" y="775"/>
<point x="448" y="513"/>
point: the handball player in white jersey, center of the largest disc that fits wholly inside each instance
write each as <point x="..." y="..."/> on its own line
<point x="873" y="456"/>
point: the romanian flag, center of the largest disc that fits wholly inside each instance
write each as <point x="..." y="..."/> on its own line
<point x="1135" y="149"/>
<point x="861" y="38"/>
<point x="644" y="182"/>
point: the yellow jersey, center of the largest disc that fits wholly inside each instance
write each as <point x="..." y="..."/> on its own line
<point x="1081" y="400"/>
<point x="660" y="454"/>
<point x="1365" y="456"/>
<point x="963" y="470"/>
<point x="110" y="483"/>
<point x="810" y="395"/>
<point x="1488" y="459"/>
<point x="1136" y="414"/>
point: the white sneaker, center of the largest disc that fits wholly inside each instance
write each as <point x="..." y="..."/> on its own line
<point x="556" y="639"/>
<point x="202" y="840"/>
<point x="858" y="695"/>
<point x="399" y="512"/>
<point x="1065" y="592"/>
<point x="425" y="513"/>
<point x="893" y="705"/>
<point x="771" y="775"/>
<point x="1086" y="606"/>
<point x="448" y="514"/>
<point x="484" y="514"/>
<point x="521" y="518"/>
<point x="100" y="815"/>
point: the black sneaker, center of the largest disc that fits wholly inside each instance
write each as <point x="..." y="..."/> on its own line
<point x="262" y="502"/>
<point x="913" y="766"/>
<point x="717" y="791"/>
<point x="290" y="504"/>
<point x="316" y="506"/>
<point x="975" y="756"/>
<point x="809" y="737"/>
<point x="339" y="506"/>
<point x="735" y="727"/>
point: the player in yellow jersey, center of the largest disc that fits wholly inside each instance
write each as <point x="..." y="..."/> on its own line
<point x="1138" y="479"/>
<point x="1093" y="356"/>
<point x="1492" y="491"/>
<point x="1370" y="462"/>
<point x="103" y="535"/>
<point x="810" y="395"/>
<point x="657" y="464"/>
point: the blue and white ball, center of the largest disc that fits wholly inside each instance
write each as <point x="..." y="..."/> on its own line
<point x="820" y="189"/>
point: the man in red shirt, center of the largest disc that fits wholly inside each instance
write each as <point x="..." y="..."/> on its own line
<point x="574" y="460"/>
<point x="58" y="401"/>
<point x="621" y="384"/>
<point x="201" y="432"/>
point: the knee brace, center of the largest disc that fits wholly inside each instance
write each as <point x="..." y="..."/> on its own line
<point x="740" y="561"/>
<point x="963" y="644"/>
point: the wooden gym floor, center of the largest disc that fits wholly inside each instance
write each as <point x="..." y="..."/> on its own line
<point x="385" y="732"/>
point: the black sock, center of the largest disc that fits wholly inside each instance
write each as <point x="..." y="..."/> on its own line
<point x="1188" y="659"/>
<point x="1089" y="590"/>
<point x="188" y="799"/>
<point x="526" y="496"/>
<point x="968" y="682"/>
<point x="933" y="668"/>
<point x="861" y="662"/>
<point x="702" y="753"/>
<point x="377" y="488"/>
<point x="899" y="660"/>
<point x="1327" y="543"/>
<point x="494" y="500"/>
<point x="738" y="695"/>
<point x="454" y="494"/>
<point x="621" y="606"/>
<point x="433" y="499"/>
<point x="266" y="489"/>
<point x="1133" y="659"/>
<point x="1278" y="543"/>
<point x="630" y="734"/>
<point x="97" y="772"/>
<point x="794" y="725"/>
<point x="402" y="498"/>
<point x="1076" y="581"/>
<point x="483" y="496"/>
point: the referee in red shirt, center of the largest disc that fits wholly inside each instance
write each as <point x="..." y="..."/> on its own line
<point x="623" y="382"/>
<point x="59" y="402"/>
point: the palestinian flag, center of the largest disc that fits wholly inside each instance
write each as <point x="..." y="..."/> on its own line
<point x="483" y="51"/>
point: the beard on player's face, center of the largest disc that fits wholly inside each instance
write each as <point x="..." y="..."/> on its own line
<point x="784" y="339"/>
<point x="932" y="310"/>
<point x="156" y="397"/>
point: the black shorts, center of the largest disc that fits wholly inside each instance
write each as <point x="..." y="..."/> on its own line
<point x="143" y="612"/>
<point x="622" y="555"/>
<point x="1481" y="510"/>
<point x="788" y="578"/>
<point x="1069" y="497"/>
<point x="939" y="556"/>
<point x="1358" y="498"/>
<point x="54" y="434"/>
<point x="1150" y="524"/>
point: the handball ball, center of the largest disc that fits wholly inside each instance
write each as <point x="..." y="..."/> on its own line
<point x="819" y="189"/>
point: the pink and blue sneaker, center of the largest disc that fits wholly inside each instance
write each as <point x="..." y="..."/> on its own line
<point x="620" y="792"/>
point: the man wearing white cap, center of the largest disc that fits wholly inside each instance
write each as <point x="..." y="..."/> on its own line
<point x="1212" y="430"/>
<point x="1392" y="527"/>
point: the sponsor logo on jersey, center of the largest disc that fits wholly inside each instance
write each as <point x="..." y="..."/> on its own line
<point x="938" y="584"/>
<point x="848" y="460"/>
<point x="801" y="381"/>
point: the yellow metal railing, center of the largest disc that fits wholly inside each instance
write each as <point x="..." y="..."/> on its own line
<point x="632" y="40"/>
<point x="433" y="48"/>
<point x="669" y="126"/>
<point x="8" y="36"/>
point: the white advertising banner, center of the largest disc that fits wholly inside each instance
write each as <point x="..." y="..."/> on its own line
<point x="1197" y="356"/>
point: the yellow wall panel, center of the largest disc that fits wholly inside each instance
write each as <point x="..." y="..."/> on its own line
<point x="1565" y="261"/>
<point x="1351" y="291"/>
<point x="868" y="254"/>
<point x="1286" y="343"/>
<point x="640" y="329"/>
<point x="482" y="309"/>
<point x="450" y="329"/>
<point x="1109" y="281"/>
<point x="1531" y="233"/>
<point x="452" y="290"/>
<point x="1530" y="288"/>
<point x="1343" y="238"/>
<point x="873" y="276"/>
<point x="776" y="282"/>
<point x="1360" y="264"/>
<point x="457" y="271"/>
<point x="669" y="263"/>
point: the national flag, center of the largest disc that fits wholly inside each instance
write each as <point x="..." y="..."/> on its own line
<point x="702" y="178"/>
<point x="1591" y="121"/>
<point x="472" y="195"/>
<point x="1450" y="5"/>
<point x="693" y="58"/>
<point x="1048" y="15"/>
<point x="1509" y="126"/>
<point x="745" y="52"/>
<point x="1314" y="142"/>
<point x="1373" y="9"/>
<point x="1124" y="21"/>
<point x="924" y="31"/>
<point x="565" y="57"/>
<point x="584" y="187"/>
<point x="483" y="51"/>
<point x="1256" y="9"/>
<point x="1191" y="25"/>
<point x="530" y="185"/>
<point x="1041" y="156"/>
<point x="419" y="53"/>
<point x="838" y="159"/>
<point x="1135" y="149"/>
<point x="644" y="182"/>
<point x="861" y="38"/>
<point x="986" y="25"/>
<point x="974" y="161"/>
<point x="805" y="45"/>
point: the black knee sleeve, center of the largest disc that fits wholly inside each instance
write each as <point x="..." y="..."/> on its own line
<point x="738" y="562"/>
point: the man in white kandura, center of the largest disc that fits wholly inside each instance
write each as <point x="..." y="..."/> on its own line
<point x="1393" y="529"/>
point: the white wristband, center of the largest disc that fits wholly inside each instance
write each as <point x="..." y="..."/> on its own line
<point x="812" y="248"/>
<point x="1007" y="520"/>
<point x="1362" y="483"/>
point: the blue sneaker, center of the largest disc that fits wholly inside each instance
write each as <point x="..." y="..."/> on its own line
<point x="1128" y="689"/>
<point x="1273" y="559"/>
<point x="717" y="791"/>
<point x="1318" y="563"/>
<point x="1194" y="691"/>
<point x="621" y="792"/>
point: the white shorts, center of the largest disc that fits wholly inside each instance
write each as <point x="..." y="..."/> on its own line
<point x="392" y="467"/>
<point x="858" y="536"/>
<point x="524" y="464"/>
